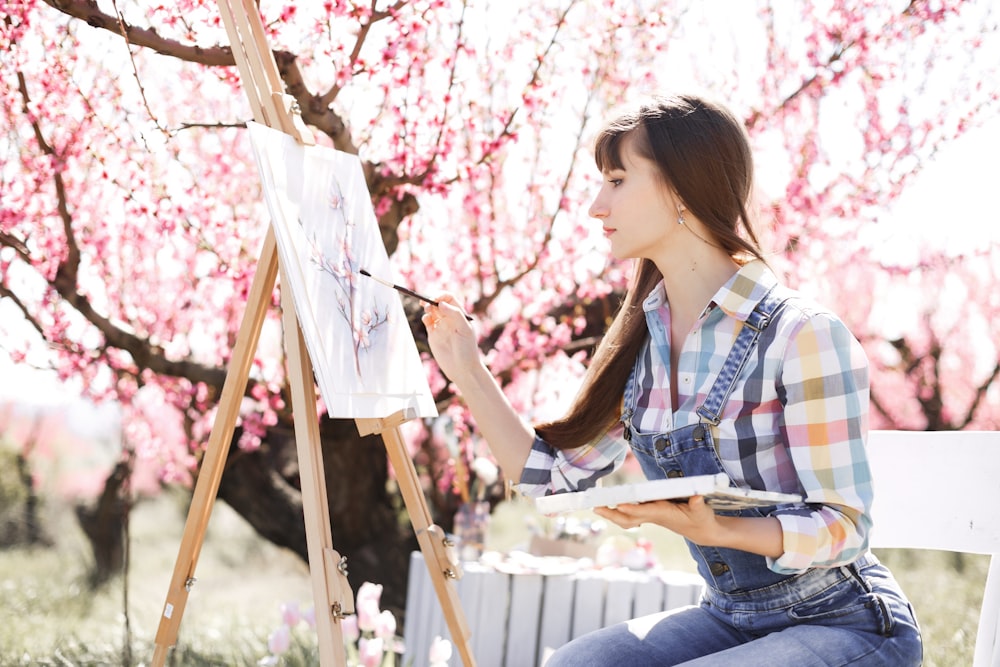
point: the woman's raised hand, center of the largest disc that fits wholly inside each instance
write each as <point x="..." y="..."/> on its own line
<point x="451" y="337"/>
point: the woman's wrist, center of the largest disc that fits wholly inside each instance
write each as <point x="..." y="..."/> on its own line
<point x="472" y="376"/>
<point x="759" y="535"/>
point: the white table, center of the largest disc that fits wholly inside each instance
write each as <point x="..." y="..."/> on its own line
<point x="516" y="618"/>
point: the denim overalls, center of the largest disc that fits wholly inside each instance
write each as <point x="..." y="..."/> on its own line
<point x="691" y="451"/>
<point x="746" y="599"/>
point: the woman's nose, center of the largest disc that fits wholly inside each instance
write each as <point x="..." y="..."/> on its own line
<point x="597" y="208"/>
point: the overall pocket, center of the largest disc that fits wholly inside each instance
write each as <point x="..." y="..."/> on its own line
<point x="849" y="604"/>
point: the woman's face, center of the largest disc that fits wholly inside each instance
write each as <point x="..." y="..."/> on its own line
<point x="638" y="212"/>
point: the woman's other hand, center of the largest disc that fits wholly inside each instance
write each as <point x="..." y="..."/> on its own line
<point x="695" y="520"/>
<point x="692" y="519"/>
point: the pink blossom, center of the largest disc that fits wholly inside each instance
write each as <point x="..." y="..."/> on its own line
<point x="280" y="640"/>
<point x="385" y="627"/>
<point x="367" y="606"/>
<point x="369" y="591"/>
<point x="349" y="627"/>
<point x="371" y="651"/>
<point x="368" y="615"/>
<point x="440" y="652"/>
<point x="290" y="614"/>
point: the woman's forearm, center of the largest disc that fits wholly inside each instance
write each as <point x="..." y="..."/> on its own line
<point x="452" y="340"/>
<point x="758" y="535"/>
<point x="506" y="433"/>
<point x="698" y="522"/>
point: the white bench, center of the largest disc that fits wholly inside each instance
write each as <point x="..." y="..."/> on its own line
<point x="941" y="490"/>
<point x="516" y="618"/>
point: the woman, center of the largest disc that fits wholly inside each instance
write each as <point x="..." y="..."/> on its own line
<point x="711" y="366"/>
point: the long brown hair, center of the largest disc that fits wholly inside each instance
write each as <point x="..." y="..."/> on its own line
<point x="703" y="154"/>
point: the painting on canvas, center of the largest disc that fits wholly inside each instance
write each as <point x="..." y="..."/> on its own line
<point x="363" y="354"/>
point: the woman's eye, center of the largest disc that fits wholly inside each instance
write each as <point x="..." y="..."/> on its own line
<point x="615" y="181"/>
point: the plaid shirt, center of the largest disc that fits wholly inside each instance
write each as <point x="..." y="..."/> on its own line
<point x="796" y="421"/>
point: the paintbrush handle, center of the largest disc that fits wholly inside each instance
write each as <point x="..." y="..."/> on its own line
<point x="408" y="292"/>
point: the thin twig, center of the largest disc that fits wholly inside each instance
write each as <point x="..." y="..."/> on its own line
<point x="135" y="70"/>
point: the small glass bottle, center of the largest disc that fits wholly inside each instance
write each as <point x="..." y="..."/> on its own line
<point x="472" y="521"/>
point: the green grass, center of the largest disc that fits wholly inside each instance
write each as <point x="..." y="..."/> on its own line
<point x="946" y="590"/>
<point x="50" y="617"/>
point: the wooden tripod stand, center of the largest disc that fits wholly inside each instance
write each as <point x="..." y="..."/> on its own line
<point x="328" y="569"/>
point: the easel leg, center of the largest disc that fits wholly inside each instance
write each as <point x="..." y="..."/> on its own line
<point x="442" y="566"/>
<point x="332" y="593"/>
<point x="214" y="459"/>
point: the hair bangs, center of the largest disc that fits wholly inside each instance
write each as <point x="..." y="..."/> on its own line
<point x="610" y="142"/>
<point x="608" y="150"/>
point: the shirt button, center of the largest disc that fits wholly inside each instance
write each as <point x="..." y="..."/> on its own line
<point x="718" y="569"/>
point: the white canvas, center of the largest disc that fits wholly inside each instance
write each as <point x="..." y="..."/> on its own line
<point x="363" y="354"/>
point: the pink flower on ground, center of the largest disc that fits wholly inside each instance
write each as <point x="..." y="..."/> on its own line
<point x="368" y="613"/>
<point x="280" y="640"/>
<point x="440" y="652"/>
<point x="367" y="606"/>
<point x="370" y="651"/>
<point x="349" y="626"/>
<point x="385" y="626"/>
<point x="290" y="614"/>
<point x="370" y="591"/>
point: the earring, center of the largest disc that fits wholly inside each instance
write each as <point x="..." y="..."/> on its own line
<point x="680" y="217"/>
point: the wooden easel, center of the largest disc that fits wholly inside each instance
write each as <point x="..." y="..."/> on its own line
<point x="328" y="569"/>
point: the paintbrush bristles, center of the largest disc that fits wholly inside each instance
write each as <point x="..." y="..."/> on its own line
<point x="384" y="282"/>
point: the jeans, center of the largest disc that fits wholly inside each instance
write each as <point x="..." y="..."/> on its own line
<point x="860" y="619"/>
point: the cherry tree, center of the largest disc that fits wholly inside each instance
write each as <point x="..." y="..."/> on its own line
<point x="132" y="214"/>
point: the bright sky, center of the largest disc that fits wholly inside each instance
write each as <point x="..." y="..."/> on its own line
<point x="950" y="202"/>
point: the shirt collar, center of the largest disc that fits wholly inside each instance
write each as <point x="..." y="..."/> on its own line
<point x="748" y="286"/>
<point x="737" y="298"/>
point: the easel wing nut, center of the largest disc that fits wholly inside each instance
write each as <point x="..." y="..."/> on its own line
<point x="445" y="553"/>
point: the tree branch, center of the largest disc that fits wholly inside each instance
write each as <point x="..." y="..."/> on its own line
<point x="15" y="244"/>
<point x="6" y="293"/>
<point x="70" y="265"/>
<point x="981" y="392"/>
<point x="64" y="283"/>
<point x="315" y="110"/>
<point x="375" y="16"/>
<point x="87" y="10"/>
<point x="485" y="302"/>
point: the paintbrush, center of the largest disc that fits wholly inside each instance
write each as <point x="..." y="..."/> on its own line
<point x="403" y="290"/>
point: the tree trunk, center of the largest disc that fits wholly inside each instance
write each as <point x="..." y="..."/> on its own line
<point x="24" y="527"/>
<point x="263" y="487"/>
<point x="104" y="523"/>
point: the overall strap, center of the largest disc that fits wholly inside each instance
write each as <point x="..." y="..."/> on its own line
<point x="746" y="341"/>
